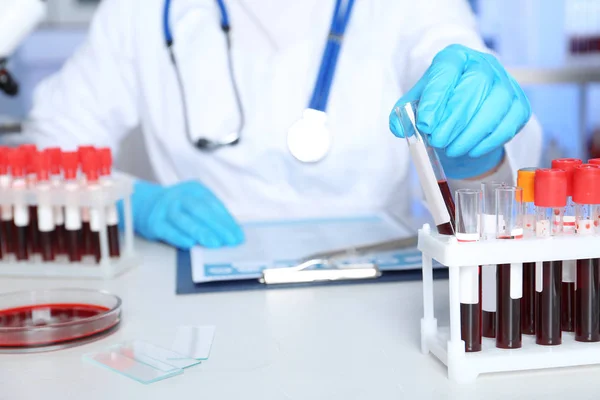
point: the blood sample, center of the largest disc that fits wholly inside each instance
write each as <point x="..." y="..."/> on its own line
<point x="88" y="245"/>
<point x="70" y="162"/>
<point x="431" y="175"/>
<point x="509" y="277"/>
<point x="20" y="210"/>
<point x="568" y="266"/>
<point x="525" y="180"/>
<point x="550" y="201"/>
<point x="6" y="209"/>
<point x="468" y="229"/>
<point x="45" y="215"/>
<point x="31" y="155"/>
<point x="112" y="216"/>
<point x="57" y="211"/>
<point x="90" y="169"/>
<point x="586" y="195"/>
<point x="488" y="272"/>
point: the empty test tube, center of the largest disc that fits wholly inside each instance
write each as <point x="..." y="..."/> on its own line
<point x="525" y="180"/>
<point x="569" y="267"/>
<point x="468" y="229"/>
<point x="430" y="172"/>
<point x="550" y="201"/>
<point x="586" y="195"/>
<point x="509" y="277"/>
<point x="488" y="272"/>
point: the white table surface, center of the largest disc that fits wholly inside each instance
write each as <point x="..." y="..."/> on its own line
<point x="345" y="342"/>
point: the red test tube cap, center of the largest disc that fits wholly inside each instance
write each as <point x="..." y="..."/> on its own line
<point x="586" y="184"/>
<point x="550" y="187"/>
<point x="16" y="160"/>
<point x="105" y="160"/>
<point x="55" y="155"/>
<point x="42" y="166"/>
<point x="594" y="161"/>
<point x="90" y="166"/>
<point x="568" y="165"/>
<point x="70" y="164"/>
<point x="4" y="152"/>
<point x="83" y="151"/>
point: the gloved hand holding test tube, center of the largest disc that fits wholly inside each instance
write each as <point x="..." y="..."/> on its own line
<point x="431" y="175"/>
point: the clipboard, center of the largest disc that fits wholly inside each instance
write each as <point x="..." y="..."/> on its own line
<point x="342" y="250"/>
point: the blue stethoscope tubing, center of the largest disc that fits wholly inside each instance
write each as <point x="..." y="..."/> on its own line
<point x="321" y="90"/>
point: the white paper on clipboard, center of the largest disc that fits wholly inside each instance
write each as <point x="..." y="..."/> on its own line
<point x="282" y="243"/>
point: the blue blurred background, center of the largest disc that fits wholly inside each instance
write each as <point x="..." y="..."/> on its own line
<point x="551" y="46"/>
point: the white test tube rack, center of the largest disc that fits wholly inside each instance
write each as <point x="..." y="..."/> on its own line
<point x="99" y="199"/>
<point x="446" y="344"/>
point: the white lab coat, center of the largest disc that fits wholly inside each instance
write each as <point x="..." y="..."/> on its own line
<point x="122" y="78"/>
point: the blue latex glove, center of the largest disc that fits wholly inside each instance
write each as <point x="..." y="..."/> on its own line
<point x="183" y="215"/>
<point x="469" y="107"/>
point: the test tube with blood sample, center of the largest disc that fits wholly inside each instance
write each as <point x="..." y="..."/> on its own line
<point x="73" y="225"/>
<point x="58" y="213"/>
<point x="488" y="272"/>
<point x="509" y="277"/>
<point x="45" y="215"/>
<point x="431" y="175"/>
<point x="20" y="209"/>
<point x="525" y="180"/>
<point x="112" y="216"/>
<point x="550" y="200"/>
<point x="6" y="211"/>
<point x="86" y="233"/>
<point x="31" y="153"/>
<point x="586" y="195"/>
<point x="468" y="214"/>
<point x="90" y="169"/>
<point x="569" y="267"/>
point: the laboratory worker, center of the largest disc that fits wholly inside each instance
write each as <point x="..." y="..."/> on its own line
<point x="262" y="109"/>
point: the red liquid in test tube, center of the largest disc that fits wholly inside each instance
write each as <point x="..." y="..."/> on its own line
<point x="468" y="212"/>
<point x="45" y="217"/>
<point x="6" y="212"/>
<point x="550" y="201"/>
<point x="525" y="180"/>
<point x="73" y="226"/>
<point x="86" y="233"/>
<point x="90" y="168"/>
<point x="112" y="216"/>
<point x="20" y="209"/>
<point x="58" y="212"/>
<point x="509" y="277"/>
<point x="569" y="267"/>
<point x="31" y="153"/>
<point x="586" y="196"/>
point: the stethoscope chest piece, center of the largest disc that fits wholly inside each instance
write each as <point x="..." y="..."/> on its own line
<point x="309" y="139"/>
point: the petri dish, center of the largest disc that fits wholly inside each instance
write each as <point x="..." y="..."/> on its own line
<point x="46" y="320"/>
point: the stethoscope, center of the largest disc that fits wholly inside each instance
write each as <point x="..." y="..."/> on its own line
<point x="309" y="139"/>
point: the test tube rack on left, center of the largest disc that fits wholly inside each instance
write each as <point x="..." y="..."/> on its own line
<point x="446" y="344"/>
<point x="99" y="202"/>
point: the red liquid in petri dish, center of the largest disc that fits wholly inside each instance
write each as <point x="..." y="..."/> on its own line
<point x="508" y="311"/>
<point x="113" y="240"/>
<point x="587" y="323"/>
<point x="548" y="325"/>
<point x="449" y="227"/>
<point x="528" y="300"/>
<point x="45" y="315"/>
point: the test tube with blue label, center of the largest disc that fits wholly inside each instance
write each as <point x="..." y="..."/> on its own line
<point x="431" y="175"/>
<point x="468" y="229"/>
